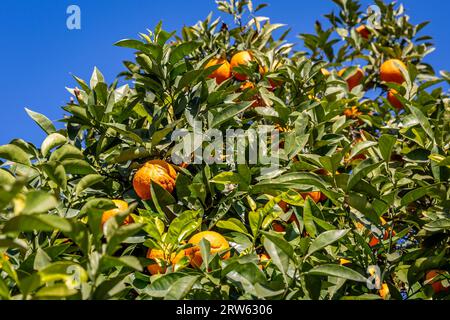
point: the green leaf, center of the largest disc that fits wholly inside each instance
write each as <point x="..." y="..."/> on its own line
<point x="189" y="79"/>
<point x="4" y="290"/>
<point x="227" y="177"/>
<point x="255" y="221"/>
<point x="361" y="146"/>
<point x="41" y="260"/>
<point x="386" y="142"/>
<point x="77" y="166"/>
<point x="280" y="251"/>
<point x="52" y="141"/>
<point x="96" y="78"/>
<point x="182" y="226"/>
<point x="248" y="276"/>
<point x="13" y="153"/>
<point x="162" y="285"/>
<point x="109" y="262"/>
<point x="438" y="225"/>
<point x="6" y="177"/>
<point x="334" y="270"/>
<point x="182" y="50"/>
<point x="56" y="291"/>
<point x="42" y="121"/>
<point x="66" y="152"/>
<point x="360" y="203"/>
<point x="205" y="252"/>
<point x="56" y="172"/>
<point x="119" y="235"/>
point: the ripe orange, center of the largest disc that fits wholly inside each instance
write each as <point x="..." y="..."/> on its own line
<point x="390" y="71"/>
<point x="159" y="255"/>
<point x="393" y="99"/>
<point x="384" y="291"/>
<point x="250" y="85"/>
<point x="352" y="112"/>
<point x="354" y="80"/>
<point x="157" y="171"/>
<point x="374" y="240"/>
<point x="3" y="257"/>
<point x="222" y="73"/>
<point x="217" y="242"/>
<point x="437" y="284"/>
<point x="121" y="206"/>
<point x="278" y="227"/>
<point x="363" y="31"/>
<point x="241" y="58"/>
<point x="314" y="195"/>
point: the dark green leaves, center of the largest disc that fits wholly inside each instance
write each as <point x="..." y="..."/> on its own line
<point x="42" y="121"/>
<point x="29" y="223"/>
<point x="386" y="143"/>
<point x="334" y="270"/>
<point x="13" y="153"/>
<point x="326" y="238"/>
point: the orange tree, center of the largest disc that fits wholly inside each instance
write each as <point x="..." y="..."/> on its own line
<point x="357" y="209"/>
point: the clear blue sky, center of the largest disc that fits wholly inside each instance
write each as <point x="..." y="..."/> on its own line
<point x="38" y="53"/>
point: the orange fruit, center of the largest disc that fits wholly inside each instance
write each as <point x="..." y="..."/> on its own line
<point x="121" y="206"/>
<point x="393" y="99"/>
<point x="248" y="85"/>
<point x="242" y="58"/>
<point x="222" y="73"/>
<point x="263" y="70"/>
<point x="384" y="291"/>
<point x="360" y="156"/>
<point x="314" y="195"/>
<point x="354" y="80"/>
<point x="436" y="284"/>
<point x="159" y="255"/>
<point x="157" y="171"/>
<point x="325" y="72"/>
<point x="390" y="71"/>
<point x="363" y="31"/>
<point x="217" y="242"/>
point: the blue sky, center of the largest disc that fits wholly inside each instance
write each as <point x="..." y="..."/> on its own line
<point x="39" y="54"/>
